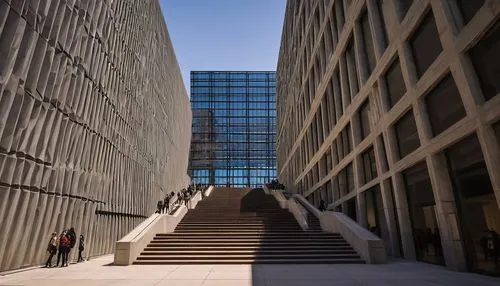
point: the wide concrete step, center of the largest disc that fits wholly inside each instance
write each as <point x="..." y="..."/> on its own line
<point x="234" y="234"/>
<point x="168" y="261"/>
<point x="150" y="251"/>
<point x="326" y="247"/>
<point x="235" y="223"/>
<point x="239" y="243"/>
<point x="242" y="230"/>
<point x="227" y="256"/>
<point x="245" y="239"/>
<point x="217" y="227"/>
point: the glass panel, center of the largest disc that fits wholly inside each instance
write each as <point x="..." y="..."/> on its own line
<point x="469" y="8"/>
<point x="369" y="51"/>
<point x="486" y="62"/>
<point x="405" y="6"/>
<point x="364" y="119"/>
<point x="444" y="105"/>
<point x="223" y="125"/>
<point x="406" y="134"/>
<point x="425" y="44"/>
<point x="422" y="209"/>
<point x="396" y="87"/>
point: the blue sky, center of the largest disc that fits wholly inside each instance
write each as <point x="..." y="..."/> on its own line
<point x="224" y="34"/>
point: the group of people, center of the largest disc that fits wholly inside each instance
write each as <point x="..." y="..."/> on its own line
<point x="183" y="197"/>
<point x="275" y="185"/>
<point x="62" y="245"/>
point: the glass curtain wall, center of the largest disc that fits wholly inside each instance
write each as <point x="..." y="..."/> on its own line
<point x="234" y="119"/>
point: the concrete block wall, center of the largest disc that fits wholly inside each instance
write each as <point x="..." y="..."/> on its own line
<point x="325" y="77"/>
<point x="95" y="122"/>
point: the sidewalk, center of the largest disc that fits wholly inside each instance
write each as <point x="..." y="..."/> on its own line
<point x="96" y="272"/>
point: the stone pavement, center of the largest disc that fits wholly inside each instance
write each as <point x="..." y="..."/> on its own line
<point x="97" y="272"/>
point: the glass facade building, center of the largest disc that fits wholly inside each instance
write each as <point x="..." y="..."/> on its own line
<point x="234" y="118"/>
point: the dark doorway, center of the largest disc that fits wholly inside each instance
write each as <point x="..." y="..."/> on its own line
<point x="422" y="207"/>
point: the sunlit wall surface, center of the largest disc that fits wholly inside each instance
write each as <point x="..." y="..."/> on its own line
<point x="94" y="123"/>
<point x="233" y="141"/>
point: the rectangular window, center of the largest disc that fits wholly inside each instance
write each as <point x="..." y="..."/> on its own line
<point x="383" y="23"/>
<point x="425" y="44"/>
<point x="350" y="178"/>
<point x="369" y="52"/>
<point x="404" y="6"/>
<point x="369" y="165"/>
<point x="352" y="71"/>
<point x="406" y="134"/>
<point x="484" y="57"/>
<point x="385" y="162"/>
<point x="444" y="105"/>
<point x="339" y="16"/>
<point x="394" y="80"/>
<point x="364" y="119"/>
<point x="469" y="8"/>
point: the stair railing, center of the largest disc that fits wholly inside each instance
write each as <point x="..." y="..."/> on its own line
<point x="131" y="245"/>
<point x="369" y="246"/>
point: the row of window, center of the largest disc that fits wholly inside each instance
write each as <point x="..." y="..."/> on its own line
<point x="235" y="105"/>
<point x="444" y="94"/>
<point x="231" y="92"/>
<point x="229" y="76"/>
<point x="234" y="172"/>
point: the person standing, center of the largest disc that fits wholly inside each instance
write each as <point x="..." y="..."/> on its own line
<point x="166" y="204"/>
<point x="322" y="207"/>
<point x="72" y="241"/>
<point x="63" y="248"/>
<point x="159" y="206"/>
<point x="81" y="247"/>
<point x="52" y="249"/>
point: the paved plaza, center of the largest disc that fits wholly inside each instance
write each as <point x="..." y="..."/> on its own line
<point x="98" y="272"/>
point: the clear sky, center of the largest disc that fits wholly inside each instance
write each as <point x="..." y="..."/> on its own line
<point x="224" y="34"/>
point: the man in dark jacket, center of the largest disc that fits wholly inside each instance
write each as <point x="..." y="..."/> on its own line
<point x="72" y="242"/>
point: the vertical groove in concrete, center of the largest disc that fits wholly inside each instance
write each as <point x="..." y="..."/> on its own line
<point x="95" y="122"/>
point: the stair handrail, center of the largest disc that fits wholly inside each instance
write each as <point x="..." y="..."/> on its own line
<point x="298" y="212"/>
<point x="128" y="248"/>
<point x="369" y="246"/>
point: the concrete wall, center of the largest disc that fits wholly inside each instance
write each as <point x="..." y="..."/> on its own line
<point x="95" y="122"/>
<point x="318" y="101"/>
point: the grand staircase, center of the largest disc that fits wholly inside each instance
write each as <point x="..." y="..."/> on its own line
<point x="241" y="226"/>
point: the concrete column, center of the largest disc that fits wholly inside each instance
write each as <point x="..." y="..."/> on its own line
<point x="389" y="211"/>
<point x="403" y="211"/>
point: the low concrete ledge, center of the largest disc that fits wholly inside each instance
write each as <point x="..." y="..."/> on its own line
<point x="281" y="200"/>
<point x="209" y="191"/>
<point x="194" y="200"/>
<point x="292" y="206"/>
<point x="131" y="245"/>
<point x="369" y="246"/>
<point x="298" y="212"/>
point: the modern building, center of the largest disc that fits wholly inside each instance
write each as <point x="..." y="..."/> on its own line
<point x="389" y="111"/>
<point x="233" y="140"/>
<point x="95" y="122"/>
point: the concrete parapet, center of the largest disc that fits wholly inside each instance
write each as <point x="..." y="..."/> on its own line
<point x="370" y="247"/>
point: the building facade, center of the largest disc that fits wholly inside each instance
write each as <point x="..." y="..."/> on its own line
<point x="233" y="141"/>
<point x="389" y="111"/>
<point x="95" y="122"/>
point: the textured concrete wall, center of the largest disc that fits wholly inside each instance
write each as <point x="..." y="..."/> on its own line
<point x="95" y="122"/>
